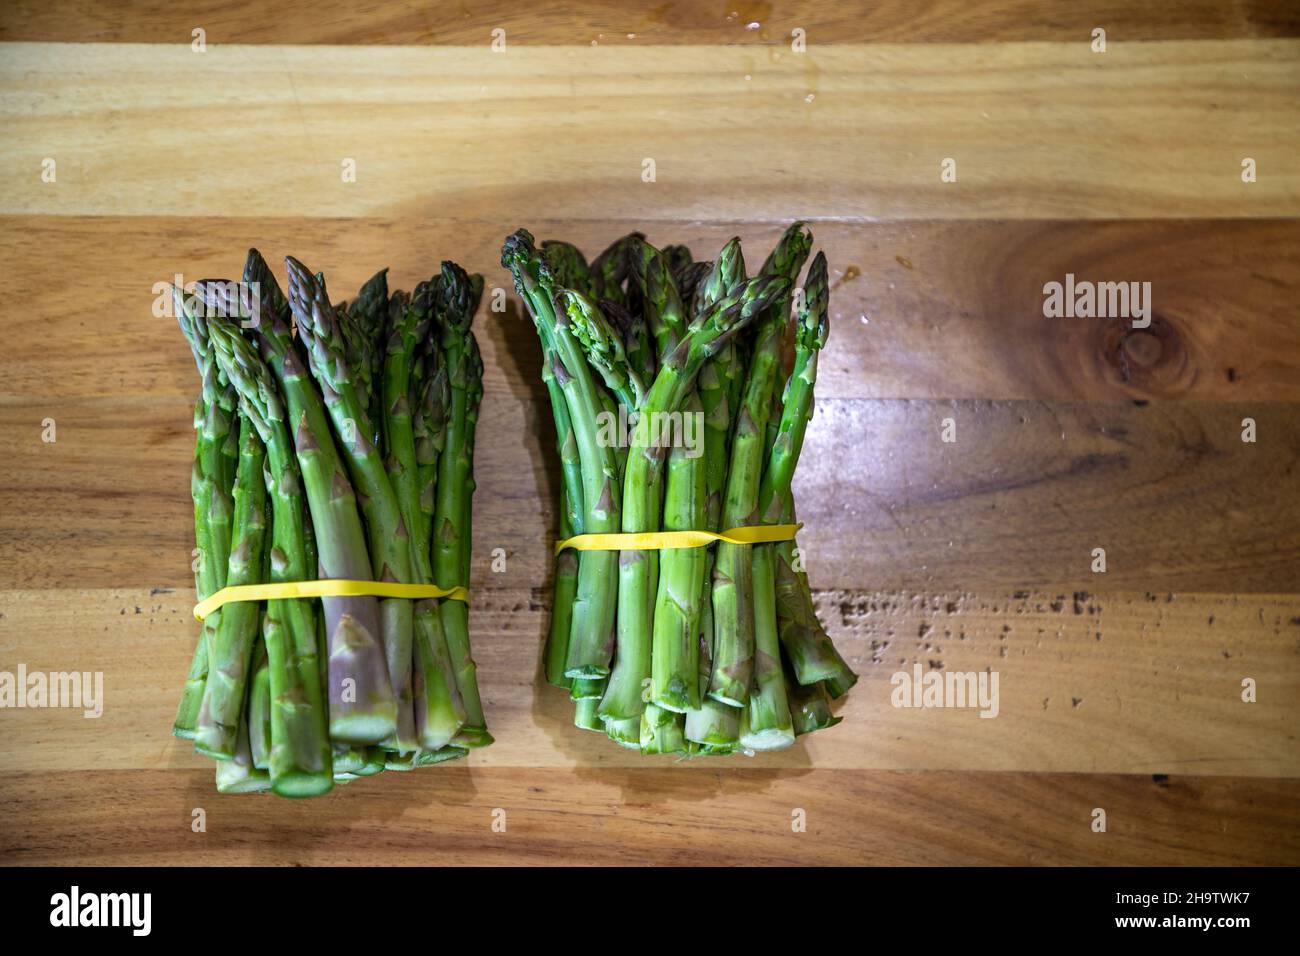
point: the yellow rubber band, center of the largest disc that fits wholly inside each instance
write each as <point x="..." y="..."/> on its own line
<point x="331" y="588"/>
<point x="664" y="540"/>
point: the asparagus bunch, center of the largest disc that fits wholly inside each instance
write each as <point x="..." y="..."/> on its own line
<point x="687" y="650"/>
<point x="333" y="440"/>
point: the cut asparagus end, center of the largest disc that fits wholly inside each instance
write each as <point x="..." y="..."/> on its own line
<point x="399" y="762"/>
<point x="348" y="760"/>
<point x="259" y="715"/>
<point x="814" y="716"/>
<point x="769" y="738"/>
<point x="472" y="737"/>
<point x="375" y="760"/>
<point x="238" y="775"/>
<point x="625" y="733"/>
<point x="662" y="731"/>
<point x="439" y="709"/>
<point x="303" y="783"/>
<point x="427" y="758"/>
<point x="234" y="777"/>
<point x="585" y="716"/>
<point x="187" y="714"/>
<point x="363" y="728"/>
<point x="838" y="685"/>
<point x="714" y="725"/>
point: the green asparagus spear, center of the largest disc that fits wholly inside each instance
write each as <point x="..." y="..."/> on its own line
<point x="231" y="651"/>
<point x="590" y="647"/>
<point x="239" y="775"/>
<point x="259" y="701"/>
<point x="769" y="716"/>
<point x="458" y="297"/>
<point x="571" y="523"/>
<point x="676" y="626"/>
<point x="300" y="751"/>
<point x="210" y="488"/>
<point x="812" y="655"/>
<point x="361" y="704"/>
<point x="712" y="723"/>
<point x="389" y="538"/>
<point x="439" y="711"/>
<point x="811" y="652"/>
<point x="733" y="597"/>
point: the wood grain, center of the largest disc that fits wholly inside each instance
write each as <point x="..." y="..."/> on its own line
<point x="655" y="816"/>
<point x="618" y="22"/>
<point x="1106" y="683"/>
<point x="919" y="310"/>
<point x="1019" y="500"/>
<point x="1038" y="130"/>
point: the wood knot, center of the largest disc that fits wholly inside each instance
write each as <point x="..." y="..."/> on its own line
<point x="1149" y="361"/>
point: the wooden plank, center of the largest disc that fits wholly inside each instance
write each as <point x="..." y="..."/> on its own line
<point x="919" y="309"/>
<point x="660" y="816"/>
<point x="1106" y="683"/>
<point x="618" y="22"/>
<point x="1019" y="500"/>
<point x="1038" y="130"/>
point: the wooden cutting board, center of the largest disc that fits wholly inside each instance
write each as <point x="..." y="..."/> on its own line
<point x="1120" y="691"/>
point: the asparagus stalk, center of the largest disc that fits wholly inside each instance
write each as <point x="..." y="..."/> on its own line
<point x="232" y="647"/>
<point x="812" y="654"/>
<point x="712" y="723"/>
<point x="210" y="488"/>
<point x="259" y="701"/>
<point x="389" y="537"/>
<point x="362" y="708"/>
<point x="769" y="717"/>
<point x="810" y="706"/>
<point x="676" y="640"/>
<point x="439" y="711"/>
<point x="300" y="762"/>
<point x="458" y="300"/>
<point x="733" y="597"/>
<point x="566" y="562"/>
<point x="238" y="775"/>
<point x="571" y="516"/>
<point x="590" y="647"/>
